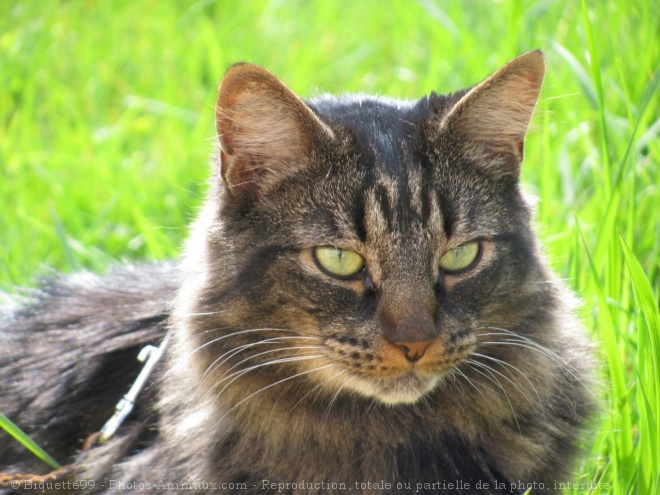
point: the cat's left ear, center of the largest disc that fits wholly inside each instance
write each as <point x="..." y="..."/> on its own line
<point x="489" y="123"/>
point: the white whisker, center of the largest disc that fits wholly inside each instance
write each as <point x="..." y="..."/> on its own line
<point x="206" y="313"/>
<point x="235" y="376"/>
<point x="515" y="339"/>
<point x="270" y="352"/>
<point x="297" y="375"/>
<point x="471" y="382"/>
<point x="494" y="379"/>
<point x="237" y="350"/>
<point x="326" y="416"/>
<point x="512" y="382"/>
<point x="324" y="382"/>
<point x="240" y="332"/>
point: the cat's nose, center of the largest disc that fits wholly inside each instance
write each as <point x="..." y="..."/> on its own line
<point x="413" y="351"/>
<point x="409" y="325"/>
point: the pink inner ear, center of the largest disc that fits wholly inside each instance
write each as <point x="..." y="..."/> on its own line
<point x="239" y="170"/>
<point x="265" y="130"/>
<point x="497" y="112"/>
<point x="501" y="107"/>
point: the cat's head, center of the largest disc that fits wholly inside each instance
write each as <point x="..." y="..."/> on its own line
<point x="365" y="245"/>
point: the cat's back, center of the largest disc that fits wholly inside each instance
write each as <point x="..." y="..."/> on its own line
<point x="68" y="353"/>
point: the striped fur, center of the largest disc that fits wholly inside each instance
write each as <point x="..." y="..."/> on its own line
<point x="281" y="372"/>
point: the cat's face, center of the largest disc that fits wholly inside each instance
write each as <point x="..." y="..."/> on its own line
<point x="372" y="246"/>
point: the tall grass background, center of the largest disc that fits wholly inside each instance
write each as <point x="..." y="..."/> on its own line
<point x="106" y="126"/>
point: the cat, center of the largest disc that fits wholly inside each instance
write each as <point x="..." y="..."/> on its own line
<point x="362" y="304"/>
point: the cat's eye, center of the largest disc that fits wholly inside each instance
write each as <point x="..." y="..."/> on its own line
<point x="461" y="258"/>
<point x="340" y="263"/>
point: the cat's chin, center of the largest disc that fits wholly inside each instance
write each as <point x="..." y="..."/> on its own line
<point x="404" y="389"/>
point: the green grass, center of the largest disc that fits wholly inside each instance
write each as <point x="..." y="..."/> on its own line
<point x="20" y="436"/>
<point x="106" y="125"/>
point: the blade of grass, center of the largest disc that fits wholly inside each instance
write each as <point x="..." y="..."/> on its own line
<point x="26" y="441"/>
<point x="621" y="444"/>
<point x="64" y="239"/>
<point x="596" y="76"/>
<point x="648" y="371"/>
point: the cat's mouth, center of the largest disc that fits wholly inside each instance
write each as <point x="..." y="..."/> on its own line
<point x="378" y="370"/>
<point x="397" y="386"/>
<point x="404" y="389"/>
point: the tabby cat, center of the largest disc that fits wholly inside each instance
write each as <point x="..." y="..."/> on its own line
<point x="362" y="304"/>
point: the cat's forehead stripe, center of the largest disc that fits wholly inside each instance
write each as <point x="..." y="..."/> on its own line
<point x="447" y="213"/>
<point x="385" y="200"/>
<point x="403" y="208"/>
<point x="415" y="189"/>
<point x="383" y="142"/>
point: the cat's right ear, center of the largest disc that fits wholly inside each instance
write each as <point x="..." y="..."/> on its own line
<point x="266" y="132"/>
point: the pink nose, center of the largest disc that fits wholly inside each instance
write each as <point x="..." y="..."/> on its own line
<point x="413" y="351"/>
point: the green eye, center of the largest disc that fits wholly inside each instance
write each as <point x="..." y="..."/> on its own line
<point x="339" y="262"/>
<point x="460" y="258"/>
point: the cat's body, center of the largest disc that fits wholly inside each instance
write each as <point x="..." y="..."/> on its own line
<point x="446" y="359"/>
